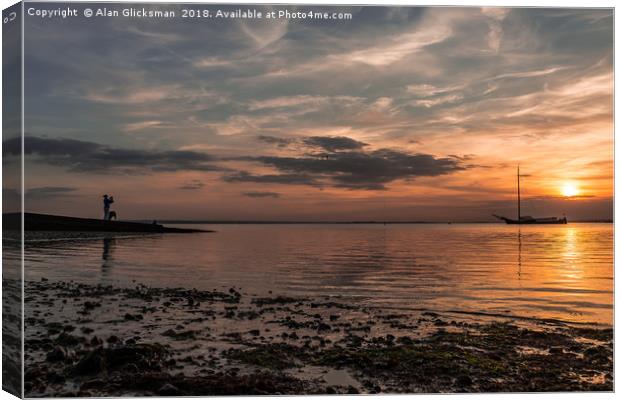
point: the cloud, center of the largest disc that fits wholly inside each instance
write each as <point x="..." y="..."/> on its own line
<point x="428" y="103"/>
<point x="326" y="143"/>
<point x="283" y="179"/>
<point x="286" y="102"/>
<point x="262" y="194"/>
<point x="528" y="74"/>
<point x="304" y="104"/>
<point x="383" y="103"/>
<point x="83" y="156"/>
<point x="265" y="34"/>
<point x="496" y="16"/>
<point x="192" y="185"/>
<point x="334" y="143"/>
<point x="280" y="142"/>
<point x="212" y="62"/>
<point x="132" y="97"/>
<point x="371" y="170"/>
<point x="138" y="126"/>
<point x="399" y="47"/>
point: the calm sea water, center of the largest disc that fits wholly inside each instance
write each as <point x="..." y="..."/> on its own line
<point x="563" y="272"/>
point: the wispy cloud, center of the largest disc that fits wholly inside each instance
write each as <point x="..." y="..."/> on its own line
<point x="259" y="195"/>
<point x="399" y="47"/>
<point x="194" y="184"/>
<point x="138" y="126"/>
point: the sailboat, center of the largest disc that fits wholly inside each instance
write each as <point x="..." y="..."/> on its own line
<point x="527" y="220"/>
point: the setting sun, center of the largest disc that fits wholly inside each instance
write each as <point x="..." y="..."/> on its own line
<point x="570" y="190"/>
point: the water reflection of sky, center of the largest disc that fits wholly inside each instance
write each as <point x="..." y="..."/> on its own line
<point x="561" y="272"/>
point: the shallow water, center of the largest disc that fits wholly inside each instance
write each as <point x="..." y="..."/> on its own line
<point x="561" y="272"/>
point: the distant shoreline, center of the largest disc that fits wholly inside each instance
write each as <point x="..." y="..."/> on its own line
<point x="231" y="222"/>
<point x="46" y="222"/>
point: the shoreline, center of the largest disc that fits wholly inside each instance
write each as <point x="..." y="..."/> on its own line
<point x="95" y="340"/>
<point x="33" y="222"/>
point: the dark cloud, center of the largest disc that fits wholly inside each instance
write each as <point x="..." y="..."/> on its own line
<point x="262" y="194"/>
<point x="334" y="143"/>
<point x="280" y="142"/>
<point x="83" y="156"/>
<point x="325" y="143"/>
<point x="466" y="157"/>
<point x="192" y="185"/>
<point x="353" y="169"/>
<point x="49" y="191"/>
<point x="361" y="170"/>
<point x="285" y="179"/>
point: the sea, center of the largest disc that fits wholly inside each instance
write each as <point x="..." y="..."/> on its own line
<point x="559" y="272"/>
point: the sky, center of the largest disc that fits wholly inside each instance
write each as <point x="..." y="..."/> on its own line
<point x="399" y="114"/>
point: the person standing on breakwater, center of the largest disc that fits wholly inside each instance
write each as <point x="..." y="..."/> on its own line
<point x="107" y="200"/>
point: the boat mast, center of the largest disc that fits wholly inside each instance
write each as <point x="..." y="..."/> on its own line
<point x="518" y="195"/>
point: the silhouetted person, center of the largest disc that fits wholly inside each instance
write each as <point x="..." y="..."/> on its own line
<point x="107" y="201"/>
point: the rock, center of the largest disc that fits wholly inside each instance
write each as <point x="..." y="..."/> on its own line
<point x="88" y="305"/>
<point x="112" y="339"/>
<point x="137" y="358"/>
<point x="66" y="339"/>
<point x="57" y="354"/>
<point x="464" y="380"/>
<point x="596" y="353"/>
<point x="405" y="340"/>
<point x="91" y="363"/>
<point x="168" y="390"/>
<point x="556" y="350"/>
<point x="352" y="390"/>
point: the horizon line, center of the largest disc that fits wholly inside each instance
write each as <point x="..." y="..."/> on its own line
<point x="185" y="221"/>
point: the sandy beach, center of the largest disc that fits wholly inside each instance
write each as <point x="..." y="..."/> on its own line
<point x="96" y="340"/>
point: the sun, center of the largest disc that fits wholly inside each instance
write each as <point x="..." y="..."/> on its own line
<point x="569" y="189"/>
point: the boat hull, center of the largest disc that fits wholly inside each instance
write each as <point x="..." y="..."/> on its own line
<point x="562" y="221"/>
<point x="533" y="221"/>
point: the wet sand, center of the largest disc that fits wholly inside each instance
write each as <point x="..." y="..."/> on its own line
<point x="87" y="340"/>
